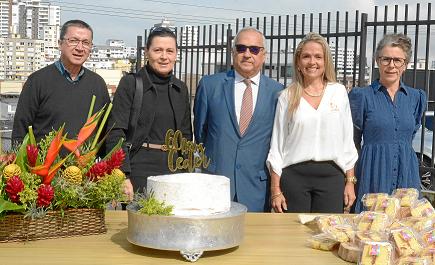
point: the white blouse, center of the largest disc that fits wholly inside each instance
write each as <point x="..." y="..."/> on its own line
<point x="325" y="134"/>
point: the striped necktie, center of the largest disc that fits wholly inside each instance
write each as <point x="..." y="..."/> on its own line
<point x="246" y="110"/>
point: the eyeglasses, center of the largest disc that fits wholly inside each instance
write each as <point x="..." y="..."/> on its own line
<point x="74" y="42"/>
<point x="398" y="62"/>
<point x="240" y="48"/>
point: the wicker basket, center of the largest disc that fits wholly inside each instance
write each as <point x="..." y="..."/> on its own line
<point x="74" y="222"/>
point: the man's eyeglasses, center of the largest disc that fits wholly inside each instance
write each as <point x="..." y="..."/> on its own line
<point x="398" y="62"/>
<point x="74" y="42"/>
<point x="240" y="48"/>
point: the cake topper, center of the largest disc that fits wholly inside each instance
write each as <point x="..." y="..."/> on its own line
<point x="192" y="155"/>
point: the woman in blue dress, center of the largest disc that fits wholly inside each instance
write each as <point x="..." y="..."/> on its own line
<point x="386" y="116"/>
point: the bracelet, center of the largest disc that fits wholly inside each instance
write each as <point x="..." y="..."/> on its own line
<point x="351" y="179"/>
<point x="273" y="197"/>
<point x="274" y="186"/>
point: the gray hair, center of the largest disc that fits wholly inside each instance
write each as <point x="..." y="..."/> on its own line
<point x="249" y="29"/>
<point x="395" y="40"/>
<point x="75" y="23"/>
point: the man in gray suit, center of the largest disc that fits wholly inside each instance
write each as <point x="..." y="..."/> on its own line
<point x="234" y="113"/>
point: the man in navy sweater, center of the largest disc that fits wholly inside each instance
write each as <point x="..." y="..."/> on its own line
<point x="61" y="93"/>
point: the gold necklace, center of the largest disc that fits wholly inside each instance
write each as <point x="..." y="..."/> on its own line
<point x="315" y="95"/>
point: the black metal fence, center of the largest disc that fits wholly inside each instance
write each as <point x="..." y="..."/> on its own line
<point x="352" y="36"/>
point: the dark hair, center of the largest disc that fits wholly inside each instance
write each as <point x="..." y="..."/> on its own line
<point x="160" y="32"/>
<point x="74" y="23"/>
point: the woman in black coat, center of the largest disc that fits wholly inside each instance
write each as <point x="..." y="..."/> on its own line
<point x="165" y="105"/>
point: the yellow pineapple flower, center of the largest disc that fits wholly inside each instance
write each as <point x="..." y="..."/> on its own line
<point x="73" y="175"/>
<point x="11" y="170"/>
<point x="117" y="172"/>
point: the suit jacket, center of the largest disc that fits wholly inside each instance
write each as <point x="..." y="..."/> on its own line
<point x="240" y="158"/>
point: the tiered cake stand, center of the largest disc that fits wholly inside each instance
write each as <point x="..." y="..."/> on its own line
<point x="190" y="235"/>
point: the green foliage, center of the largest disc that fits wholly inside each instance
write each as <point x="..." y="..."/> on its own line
<point x="34" y="212"/>
<point x="70" y="161"/>
<point x="44" y="144"/>
<point x="89" y="194"/>
<point x="68" y="195"/>
<point x="107" y="189"/>
<point x="2" y="186"/>
<point x="151" y="206"/>
<point x="21" y="159"/>
<point x="31" y="184"/>
<point x="9" y="206"/>
<point x="32" y="139"/>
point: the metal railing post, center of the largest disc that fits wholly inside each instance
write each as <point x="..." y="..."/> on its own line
<point x="362" y="47"/>
<point x="229" y="48"/>
<point x="139" y="53"/>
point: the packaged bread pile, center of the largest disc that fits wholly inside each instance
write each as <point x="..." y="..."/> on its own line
<point x="394" y="229"/>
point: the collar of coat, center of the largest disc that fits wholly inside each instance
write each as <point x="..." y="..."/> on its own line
<point x="176" y="83"/>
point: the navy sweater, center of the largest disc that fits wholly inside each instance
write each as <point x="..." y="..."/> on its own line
<point x="49" y="100"/>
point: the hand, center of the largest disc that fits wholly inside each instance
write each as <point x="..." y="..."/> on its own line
<point x="349" y="196"/>
<point x="277" y="200"/>
<point x="128" y="189"/>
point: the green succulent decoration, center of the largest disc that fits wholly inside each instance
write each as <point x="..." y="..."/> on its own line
<point x="149" y="205"/>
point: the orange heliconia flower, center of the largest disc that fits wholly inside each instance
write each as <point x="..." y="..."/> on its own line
<point x="84" y="133"/>
<point x="45" y="171"/>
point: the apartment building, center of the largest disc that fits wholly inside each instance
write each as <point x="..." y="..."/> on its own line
<point x="29" y="17"/>
<point x="4" y="17"/>
<point x="19" y="57"/>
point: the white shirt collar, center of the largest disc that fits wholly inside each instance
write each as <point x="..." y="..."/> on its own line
<point x="255" y="79"/>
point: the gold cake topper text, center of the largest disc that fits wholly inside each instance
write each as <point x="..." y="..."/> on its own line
<point x="192" y="155"/>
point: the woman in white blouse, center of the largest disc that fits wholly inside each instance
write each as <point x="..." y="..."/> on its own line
<point x="312" y="154"/>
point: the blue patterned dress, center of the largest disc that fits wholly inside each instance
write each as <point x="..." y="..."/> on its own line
<point x="387" y="160"/>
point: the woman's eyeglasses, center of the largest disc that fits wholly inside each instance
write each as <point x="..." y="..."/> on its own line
<point x="385" y="60"/>
<point x="161" y="29"/>
<point x="240" y="48"/>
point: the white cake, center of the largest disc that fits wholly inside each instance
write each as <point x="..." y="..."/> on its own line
<point x="192" y="193"/>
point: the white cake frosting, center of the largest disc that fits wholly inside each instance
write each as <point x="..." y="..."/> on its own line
<point x="192" y="193"/>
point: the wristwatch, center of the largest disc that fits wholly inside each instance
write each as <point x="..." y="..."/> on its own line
<point x="351" y="179"/>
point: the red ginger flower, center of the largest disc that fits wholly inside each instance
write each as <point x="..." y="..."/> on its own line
<point x="97" y="171"/>
<point x="32" y="154"/>
<point x="115" y="160"/>
<point x="45" y="195"/>
<point x="14" y="185"/>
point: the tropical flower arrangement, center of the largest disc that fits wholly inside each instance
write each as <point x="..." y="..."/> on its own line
<point x="35" y="178"/>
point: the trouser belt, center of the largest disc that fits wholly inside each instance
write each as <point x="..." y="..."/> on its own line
<point x="160" y="147"/>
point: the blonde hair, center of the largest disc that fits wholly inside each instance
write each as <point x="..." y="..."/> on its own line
<point x="296" y="88"/>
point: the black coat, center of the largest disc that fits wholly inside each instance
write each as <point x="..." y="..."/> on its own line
<point x="122" y="105"/>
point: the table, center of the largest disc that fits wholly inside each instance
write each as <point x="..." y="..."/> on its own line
<point x="270" y="238"/>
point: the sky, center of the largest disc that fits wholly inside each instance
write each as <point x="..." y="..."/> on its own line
<point x="125" y="19"/>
